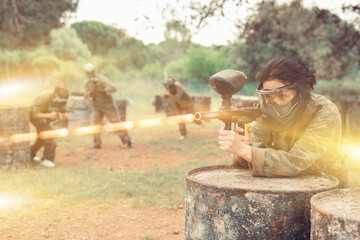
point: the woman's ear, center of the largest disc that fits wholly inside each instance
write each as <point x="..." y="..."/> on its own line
<point x="307" y="88"/>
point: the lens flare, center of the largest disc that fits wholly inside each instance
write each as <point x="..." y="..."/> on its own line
<point x="3" y="139"/>
<point x="63" y="132"/>
<point x="181" y="118"/>
<point x="10" y="201"/>
<point x="112" y="127"/>
<point x="88" y="130"/>
<point x="23" y="137"/>
<point x="149" y="122"/>
<point x="352" y="151"/>
<point x="12" y="89"/>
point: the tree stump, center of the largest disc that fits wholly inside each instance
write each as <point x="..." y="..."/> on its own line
<point x="14" y="120"/>
<point x="227" y="203"/>
<point x="336" y="215"/>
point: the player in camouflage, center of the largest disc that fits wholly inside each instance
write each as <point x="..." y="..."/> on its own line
<point x="298" y="132"/>
<point x="99" y="88"/>
<point x="180" y="100"/>
<point x="48" y="109"/>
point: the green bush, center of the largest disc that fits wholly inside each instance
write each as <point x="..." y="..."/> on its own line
<point x="153" y="70"/>
<point x="99" y="37"/>
<point x="203" y="62"/>
<point x="111" y="72"/>
<point x="337" y="89"/>
<point x="66" y="44"/>
<point x="177" y="69"/>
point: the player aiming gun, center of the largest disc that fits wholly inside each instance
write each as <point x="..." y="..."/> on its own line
<point x="227" y="83"/>
<point x="100" y="89"/>
<point x="46" y="110"/>
<point x="178" y="103"/>
<point x="300" y="131"/>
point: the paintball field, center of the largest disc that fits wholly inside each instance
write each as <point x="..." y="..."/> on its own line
<point x="115" y="220"/>
<point x="118" y="218"/>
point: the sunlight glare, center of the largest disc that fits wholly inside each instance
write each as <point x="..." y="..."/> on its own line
<point x="352" y="151"/>
<point x="9" y="201"/>
<point x="149" y="122"/>
<point x="63" y="132"/>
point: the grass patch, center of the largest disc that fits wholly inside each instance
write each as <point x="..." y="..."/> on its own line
<point x="66" y="185"/>
<point x="194" y="145"/>
<point x="148" y="237"/>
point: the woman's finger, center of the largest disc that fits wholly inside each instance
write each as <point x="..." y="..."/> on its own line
<point x="226" y="132"/>
<point x="225" y="143"/>
<point x="227" y="137"/>
<point x="239" y="130"/>
<point x="224" y="148"/>
<point x="243" y="138"/>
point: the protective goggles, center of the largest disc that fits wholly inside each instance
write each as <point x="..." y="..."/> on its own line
<point x="275" y="101"/>
<point x="62" y="95"/>
<point x="169" y="84"/>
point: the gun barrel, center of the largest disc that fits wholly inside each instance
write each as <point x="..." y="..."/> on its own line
<point x="209" y="115"/>
<point x="233" y="115"/>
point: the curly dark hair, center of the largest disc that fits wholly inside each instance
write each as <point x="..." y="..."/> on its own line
<point x="288" y="70"/>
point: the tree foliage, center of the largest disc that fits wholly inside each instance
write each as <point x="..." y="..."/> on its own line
<point x="203" y="62"/>
<point x="65" y="44"/>
<point x="320" y="38"/>
<point x="177" y="42"/>
<point x="99" y="37"/>
<point x="203" y="11"/>
<point x="27" y="23"/>
<point x="131" y="53"/>
<point x="355" y="9"/>
<point x="105" y="40"/>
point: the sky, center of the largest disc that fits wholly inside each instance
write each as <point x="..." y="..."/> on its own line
<point x="143" y="19"/>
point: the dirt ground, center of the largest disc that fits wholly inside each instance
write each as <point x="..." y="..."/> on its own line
<point x="140" y="157"/>
<point x="89" y="221"/>
<point x="96" y="221"/>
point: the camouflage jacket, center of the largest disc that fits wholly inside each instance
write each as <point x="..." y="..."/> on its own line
<point x="312" y="145"/>
<point x="181" y="99"/>
<point x="44" y="104"/>
<point x="99" y="89"/>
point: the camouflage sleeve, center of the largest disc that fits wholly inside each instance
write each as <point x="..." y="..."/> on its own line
<point x="107" y="85"/>
<point x="320" y="140"/>
<point x="260" y="132"/>
<point x="88" y="90"/>
<point x="40" y="105"/>
<point x="179" y="91"/>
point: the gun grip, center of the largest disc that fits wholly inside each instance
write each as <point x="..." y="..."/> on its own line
<point x="227" y="126"/>
<point x="246" y="130"/>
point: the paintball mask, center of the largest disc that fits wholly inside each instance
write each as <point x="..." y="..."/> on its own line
<point x="275" y="108"/>
<point x="169" y="84"/>
<point x="61" y="95"/>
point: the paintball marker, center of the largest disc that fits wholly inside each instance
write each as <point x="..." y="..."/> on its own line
<point x="227" y="83"/>
<point x="93" y="84"/>
<point x="58" y="123"/>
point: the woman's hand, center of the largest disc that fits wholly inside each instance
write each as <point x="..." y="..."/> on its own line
<point x="232" y="142"/>
<point x="63" y="116"/>
<point x="53" y="115"/>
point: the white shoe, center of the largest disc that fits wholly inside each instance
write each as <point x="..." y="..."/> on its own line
<point x="37" y="159"/>
<point x="47" y="163"/>
<point x="182" y="137"/>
